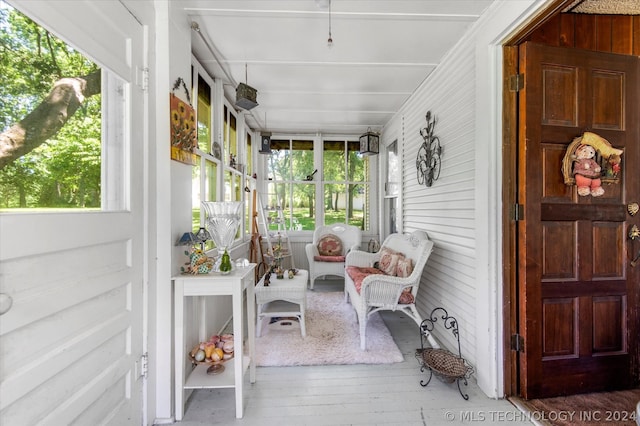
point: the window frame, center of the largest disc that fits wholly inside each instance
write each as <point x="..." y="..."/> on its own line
<point x="263" y="180"/>
<point x="231" y="181"/>
<point x="116" y="94"/>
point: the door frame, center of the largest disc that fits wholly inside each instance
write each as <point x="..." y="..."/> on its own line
<point x="510" y="124"/>
<point x="510" y="190"/>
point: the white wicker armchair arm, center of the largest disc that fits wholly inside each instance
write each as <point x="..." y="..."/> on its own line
<point x="361" y="258"/>
<point x="312" y="250"/>
<point x="383" y="291"/>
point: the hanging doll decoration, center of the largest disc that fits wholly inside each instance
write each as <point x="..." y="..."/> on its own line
<point x="589" y="162"/>
<point x="587" y="172"/>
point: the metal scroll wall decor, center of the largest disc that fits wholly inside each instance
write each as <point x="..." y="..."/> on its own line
<point x="429" y="153"/>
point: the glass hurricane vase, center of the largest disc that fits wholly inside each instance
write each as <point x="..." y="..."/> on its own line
<point x="222" y="221"/>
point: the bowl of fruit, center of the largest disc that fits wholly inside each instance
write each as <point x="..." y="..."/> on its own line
<point x="215" y="351"/>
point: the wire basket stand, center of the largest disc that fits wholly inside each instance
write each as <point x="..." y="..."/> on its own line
<point x="442" y="363"/>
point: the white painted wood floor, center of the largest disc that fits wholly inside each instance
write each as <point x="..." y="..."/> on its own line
<point x="352" y="394"/>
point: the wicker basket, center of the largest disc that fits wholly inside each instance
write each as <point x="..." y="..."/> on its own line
<point x="445" y="365"/>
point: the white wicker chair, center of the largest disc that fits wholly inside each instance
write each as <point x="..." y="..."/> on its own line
<point x="382" y="292"/>
<point x="351" y="237"/>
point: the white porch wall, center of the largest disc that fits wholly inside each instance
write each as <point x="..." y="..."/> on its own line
<point x="461" y="211"/>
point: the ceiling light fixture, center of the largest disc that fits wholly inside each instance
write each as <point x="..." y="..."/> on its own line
<point x="245" y="94"/>
<point x="265" y="139"/>
<point x="329" y="40"/>
<point x="369" y="143"/>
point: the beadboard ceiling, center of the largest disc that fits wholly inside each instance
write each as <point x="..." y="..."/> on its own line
<point x="382" y="50"/>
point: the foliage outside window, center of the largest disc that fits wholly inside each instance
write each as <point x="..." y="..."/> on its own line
<point x="249" y="151"/>
<point x="204" y="184"/>
<point x="204" y="111"/>
<point x="233" y="176"/>
<point x="58" y="163"/>
<point x="289" y="165"/>
<point x="220" y="181"/>
<point x="346" y="187"/>
<point x="230" y="135"/>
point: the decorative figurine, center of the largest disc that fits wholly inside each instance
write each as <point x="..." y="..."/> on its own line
<point x="225" y="264"/>
<point x="199" y="263"/>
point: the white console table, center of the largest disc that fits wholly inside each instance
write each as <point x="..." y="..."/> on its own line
<point x="233" y="284"/>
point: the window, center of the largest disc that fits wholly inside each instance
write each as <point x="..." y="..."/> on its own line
<point x="233" y="175"/>
<point x="249" y="167"/>
<point x="205" y="171"/>
<point x="205" y="174"/>
<point x="230" y="138"/>
<point x="346" y="184"/>
<point x="392" y="188"/>
<point x="249" y="176"/>
<point x="220" y="174"/>
<point x="290" y="186"/>
<point x="293" y="182"/>
<point x="79" y="165"/>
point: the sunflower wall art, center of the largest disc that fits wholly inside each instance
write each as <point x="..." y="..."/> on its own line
<point x="184" y="139"/>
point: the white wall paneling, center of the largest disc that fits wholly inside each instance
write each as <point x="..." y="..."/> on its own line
<point x="461" y="211"/>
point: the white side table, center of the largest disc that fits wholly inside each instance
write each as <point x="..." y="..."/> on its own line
<point x="234" y="284"/>
<point x="283" y="297"/>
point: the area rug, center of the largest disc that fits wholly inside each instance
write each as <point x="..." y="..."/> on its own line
<point x="332" y="337"/>
<point x="611" y="408"/>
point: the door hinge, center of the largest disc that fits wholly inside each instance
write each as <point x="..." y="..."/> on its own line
<point x="144" y="365"/>
<point x="517" y="343"/>
<point x="143" y="78"/>
<point x="516" y="82"/>
<point x="518" y="212"/>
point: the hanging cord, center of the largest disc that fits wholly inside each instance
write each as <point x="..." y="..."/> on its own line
<point x="330" y="40"/>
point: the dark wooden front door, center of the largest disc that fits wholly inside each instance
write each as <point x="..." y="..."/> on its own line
<point x="578" y="293"/>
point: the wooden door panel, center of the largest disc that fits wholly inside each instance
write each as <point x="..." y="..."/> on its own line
<point x="559" y="110"/>
<point x="553" y="186"/>
<point x="608" y="98"/>
<point x="609" y="324"/>
<point x="558" y="240"/>
<point x="574" y="273"/>
<point x="559" y="335"/>
<point x="608" y="250"/>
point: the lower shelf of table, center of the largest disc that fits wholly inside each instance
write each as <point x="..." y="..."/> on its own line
<point x="199" y="379"/>
<point x="280" y="307"/>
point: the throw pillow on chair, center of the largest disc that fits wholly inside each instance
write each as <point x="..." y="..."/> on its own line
<point x="404" y="267"/>
<point x="330" y="245"/>
<point x="389" y="261"/>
